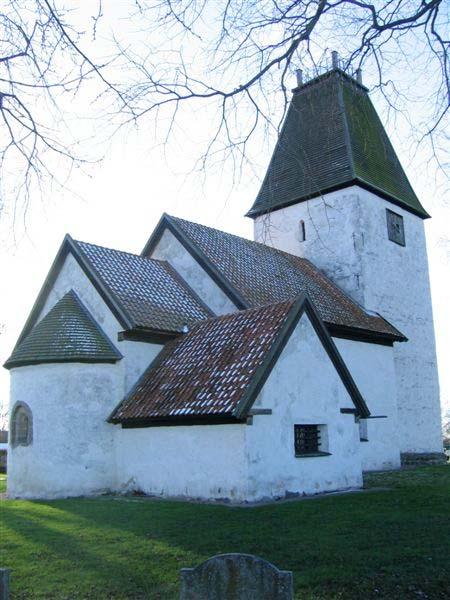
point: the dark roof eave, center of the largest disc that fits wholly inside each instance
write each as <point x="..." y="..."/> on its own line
<point x="364" y="335"/>
<point x="152" y="336"/>
<point x="253" y="213"/>
<point x="13" y="364"/>
<point x="177" y="420"/>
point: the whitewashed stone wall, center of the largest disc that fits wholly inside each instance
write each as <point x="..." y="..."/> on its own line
<point x="372" y="368"/>
<point x="171" y="250"/>
<point x="303" y="388"/>
<point x="72" y="451"/>
<point x="206" y="461"/>
<point x="252" y="462"/>
<point x="346" y="237"/>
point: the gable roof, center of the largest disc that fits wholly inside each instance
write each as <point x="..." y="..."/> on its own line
<point x="331" y="138"/>
<point x="150" y="291"/>
<point x="142" y="293"/>
<point x="253" y="274"/>
<point x="215" y="372"/>
<point x="67" y="333"/>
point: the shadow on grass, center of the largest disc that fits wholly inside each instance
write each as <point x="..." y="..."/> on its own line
<point x="382" y="544"/>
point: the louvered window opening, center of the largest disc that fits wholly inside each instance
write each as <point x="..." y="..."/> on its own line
<point x="307" y="439"/>
<point x="395" y="227"/>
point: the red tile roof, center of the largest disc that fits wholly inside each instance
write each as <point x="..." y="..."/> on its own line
<point x="207" y="371"/>
<point x="215" y="370"/>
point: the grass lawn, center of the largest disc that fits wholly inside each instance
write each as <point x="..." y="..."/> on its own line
<point x="392" y="543"/>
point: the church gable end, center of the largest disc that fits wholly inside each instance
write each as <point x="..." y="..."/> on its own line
<point x="215" y="372"/>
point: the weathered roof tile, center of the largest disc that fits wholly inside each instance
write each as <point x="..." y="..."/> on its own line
<point x="332" y="137"/>
<point x="207" y="371"/>
<point x="217" y="369"/>
<point x="153" y="295"/>
<point x="264" y="275"/>
<point x="67" y="333"/>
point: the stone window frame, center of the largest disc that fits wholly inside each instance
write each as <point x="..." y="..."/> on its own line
<point x="395" y="227"/>
<point x="23" y="407"/>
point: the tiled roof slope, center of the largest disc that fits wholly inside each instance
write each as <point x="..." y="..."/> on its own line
<point x="218" y="368"/>
<point x="332" y="137"/>
<point x="264" y="275"/>
<point x="151" y="292"/>
<point x="67" y="333"/>
<point x="207" y="371"/>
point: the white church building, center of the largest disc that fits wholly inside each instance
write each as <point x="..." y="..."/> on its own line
<point x="211" y="366"/>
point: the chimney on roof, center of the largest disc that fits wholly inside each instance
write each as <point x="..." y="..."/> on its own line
<point x="359" y="76"/>
<point x="335" y="59"/>
<point x="299" y="74"/>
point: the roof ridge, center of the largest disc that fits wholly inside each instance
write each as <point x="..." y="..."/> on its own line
<point x="323" y="76"/>
<point x="243" y="311"/>
<point x="117" y="250"/>
<point x="254" y="242"/>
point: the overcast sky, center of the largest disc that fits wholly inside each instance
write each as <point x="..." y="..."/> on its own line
<point x="119" y="201"/>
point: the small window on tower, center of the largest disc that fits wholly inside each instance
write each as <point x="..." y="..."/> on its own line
<point x="396" y="232"/>
<point x="302" y="231"/>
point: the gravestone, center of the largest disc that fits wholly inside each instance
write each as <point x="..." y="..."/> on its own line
<point x="4" y="584"/>
<point x="236" y="577"/>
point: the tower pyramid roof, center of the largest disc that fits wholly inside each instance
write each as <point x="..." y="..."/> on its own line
<point x="331" y="138"/>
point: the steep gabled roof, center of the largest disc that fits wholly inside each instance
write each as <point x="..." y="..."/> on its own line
<point x="150" y="291"/>
<point x="331" y="138"/>
<point x="215" y="372"/>
<point x="253" y="274"/>
<point x="142" y="293"/>
<point x="67" y="333"/>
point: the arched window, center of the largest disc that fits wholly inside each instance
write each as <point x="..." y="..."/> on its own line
<point x="302" y="230"/>
<point x="21" y="425"/>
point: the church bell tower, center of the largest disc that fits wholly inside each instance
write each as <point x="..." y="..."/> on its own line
<point x="336" y="194"/>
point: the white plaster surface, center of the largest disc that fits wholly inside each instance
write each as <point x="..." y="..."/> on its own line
<point x="170" y="249"/>
<point x="204" y="461"/>
<point x="72" y="452"/>
<point x="346" y="237"/>
<point x="372" y="368"/>
<point x="253" y="462"/>
<point x="303" y="388"/>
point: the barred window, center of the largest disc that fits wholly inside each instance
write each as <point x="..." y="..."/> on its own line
<point x="307" y="439"/>
<point x="396" y="231"/>
<point x="21" y="426"/>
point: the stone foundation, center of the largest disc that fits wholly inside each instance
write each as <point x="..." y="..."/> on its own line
<point x="427" y="458"/>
